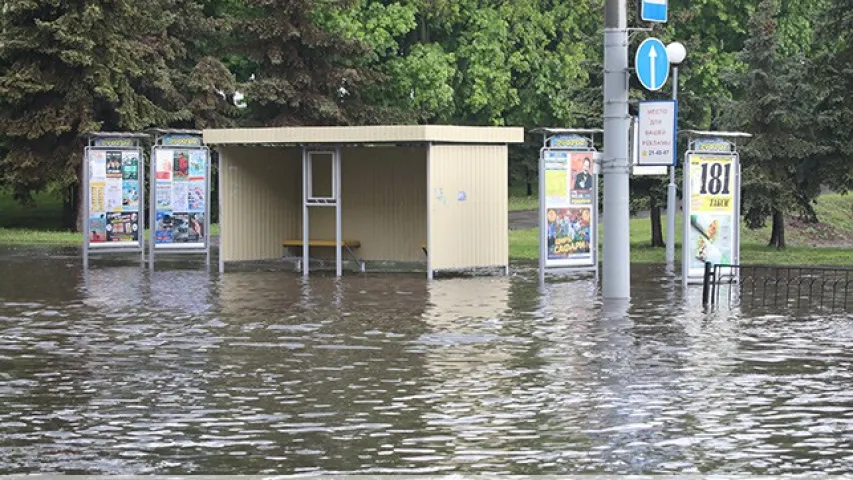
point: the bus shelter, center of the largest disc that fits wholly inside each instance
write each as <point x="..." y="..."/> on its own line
<point x="371" y="195"/>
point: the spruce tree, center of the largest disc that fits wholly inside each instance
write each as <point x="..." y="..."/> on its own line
<point x="833" y="67"/>
<point x="304" y="73"/>
<point x="76" y="66"/>
<point x="778" y="164"/>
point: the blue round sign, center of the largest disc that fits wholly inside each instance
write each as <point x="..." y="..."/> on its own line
<point x="652" y="64"/>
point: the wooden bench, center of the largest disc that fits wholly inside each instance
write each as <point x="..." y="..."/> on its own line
<point x="321" y="243"/>
<point x="347" y="245"/>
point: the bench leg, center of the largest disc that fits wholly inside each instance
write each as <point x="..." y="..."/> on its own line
<point x="359" y="261"/>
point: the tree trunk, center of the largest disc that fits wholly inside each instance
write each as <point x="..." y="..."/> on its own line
<point x="529" y="189"/>
<point x="79" y="196"/>
<point x="424" y="33"/>
<point x="657" y="228"/>
<point x="79" y="221"/>
<point x="777" y="234"/>
<point x="69" y="208"/>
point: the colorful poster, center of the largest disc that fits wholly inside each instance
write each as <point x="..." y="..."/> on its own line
<point x="115" y="199"/>
<point x="164" y="165"/>
<point x="97" y="229"/>
<point x="163" y="227"/>
<point x="97" y="165"/>
<point x="711" y="240"/>
<point x="130" y="195"/>
<point x="122" y="227"/>
<point x="180" y="196"/>
<point x="713" y="214"/>
<point x="556" y="177"/>
<point x="181" y="166"/>
<point x="196" y="228"/>
<point x="114" y="164"/>
<point x="180" y="227"/>
<point x="130" y="165"/>
<point x="163" y="192"/>
<point x="196" y="196"/>
<point x="569" y="233"/>
<point x="96" y="197"/>
<point x="197" y="164"/>
<point x="112" y="195"/>
<point x="582" y="178"/>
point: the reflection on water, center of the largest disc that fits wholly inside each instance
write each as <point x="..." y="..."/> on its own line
<point x="122" y="370"/>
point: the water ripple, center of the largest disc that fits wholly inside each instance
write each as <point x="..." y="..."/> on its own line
<point x="123" y="371"/>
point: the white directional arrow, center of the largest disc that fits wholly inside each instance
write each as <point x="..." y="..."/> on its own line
<point x="652" y="56"/>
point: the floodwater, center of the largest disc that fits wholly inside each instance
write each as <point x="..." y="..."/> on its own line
<point x="119" y="370"/>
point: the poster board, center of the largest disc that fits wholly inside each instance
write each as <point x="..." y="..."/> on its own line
<point x="656" y="126"/>
<point x="568" y="209"/>
<point x="180" y="195"/>
<point x="711" y="211"/>
<point x="114" y="196"/>
<point x="636" y="168"/>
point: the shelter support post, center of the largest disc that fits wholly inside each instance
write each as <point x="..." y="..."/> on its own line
<point x="306" y="223"/>
<point x="314" y="199"/>
<point x="336" y="186"/>
<point x="222" y="169"/>
<point x="430" y="274"/>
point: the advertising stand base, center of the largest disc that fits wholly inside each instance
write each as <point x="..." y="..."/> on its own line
<point x="568" y="202"/>
<point x="114" y="195"/>
<point x="180" y="195"/>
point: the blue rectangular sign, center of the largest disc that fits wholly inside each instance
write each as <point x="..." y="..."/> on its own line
<point x="653" y="11"/>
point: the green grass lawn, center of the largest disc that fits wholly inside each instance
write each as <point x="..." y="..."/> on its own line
<point x="524" y="245"/>
<point x="44" y="214"/>
<point x="518" y="199"/>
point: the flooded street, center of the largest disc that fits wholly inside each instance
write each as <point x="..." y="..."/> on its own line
<point x="125" y="371"/>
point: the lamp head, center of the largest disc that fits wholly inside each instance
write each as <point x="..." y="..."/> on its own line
<point x="676" y="53"/>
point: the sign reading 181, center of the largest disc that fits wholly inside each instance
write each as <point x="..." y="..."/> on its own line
<point x="716" y="178"/>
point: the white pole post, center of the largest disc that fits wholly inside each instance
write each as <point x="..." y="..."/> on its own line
<point x="222" y="169"/>
<point x="152" y="202"/>
<point x="336" y="181"/>
<point x="543" y="221"/>
<point x="87" y="192"/>
<point x="671" y="191"/>
<point x="306" y="192"/>
<point x="617" y="248"/>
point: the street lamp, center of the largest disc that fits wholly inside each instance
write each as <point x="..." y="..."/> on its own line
<point x="676" y="53"/>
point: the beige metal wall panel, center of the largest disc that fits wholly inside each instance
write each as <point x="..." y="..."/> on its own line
<point x="471" y="231"/>
<point x="261" y="201"/>
<point x="365" y="135"/>
<point x="383" y="204"/>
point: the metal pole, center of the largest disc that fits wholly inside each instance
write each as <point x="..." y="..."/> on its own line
<point x="140" y="219"/>
<point x="706" y="285"/>
<point x="306" y="223"/>
<point x="617" y="248"/>
<point x="152" y="203"/>
<point x="87" y="192"/>
<point x="671" y="191"/>
<point x="543" y="222"/>
<point x="336" y="182"/>
<point x="222" y="168"/>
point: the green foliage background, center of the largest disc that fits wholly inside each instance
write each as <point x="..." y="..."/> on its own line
<point x="780" y="69"/>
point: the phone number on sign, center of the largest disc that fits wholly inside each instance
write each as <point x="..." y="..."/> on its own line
<point x="657" y="152"/>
